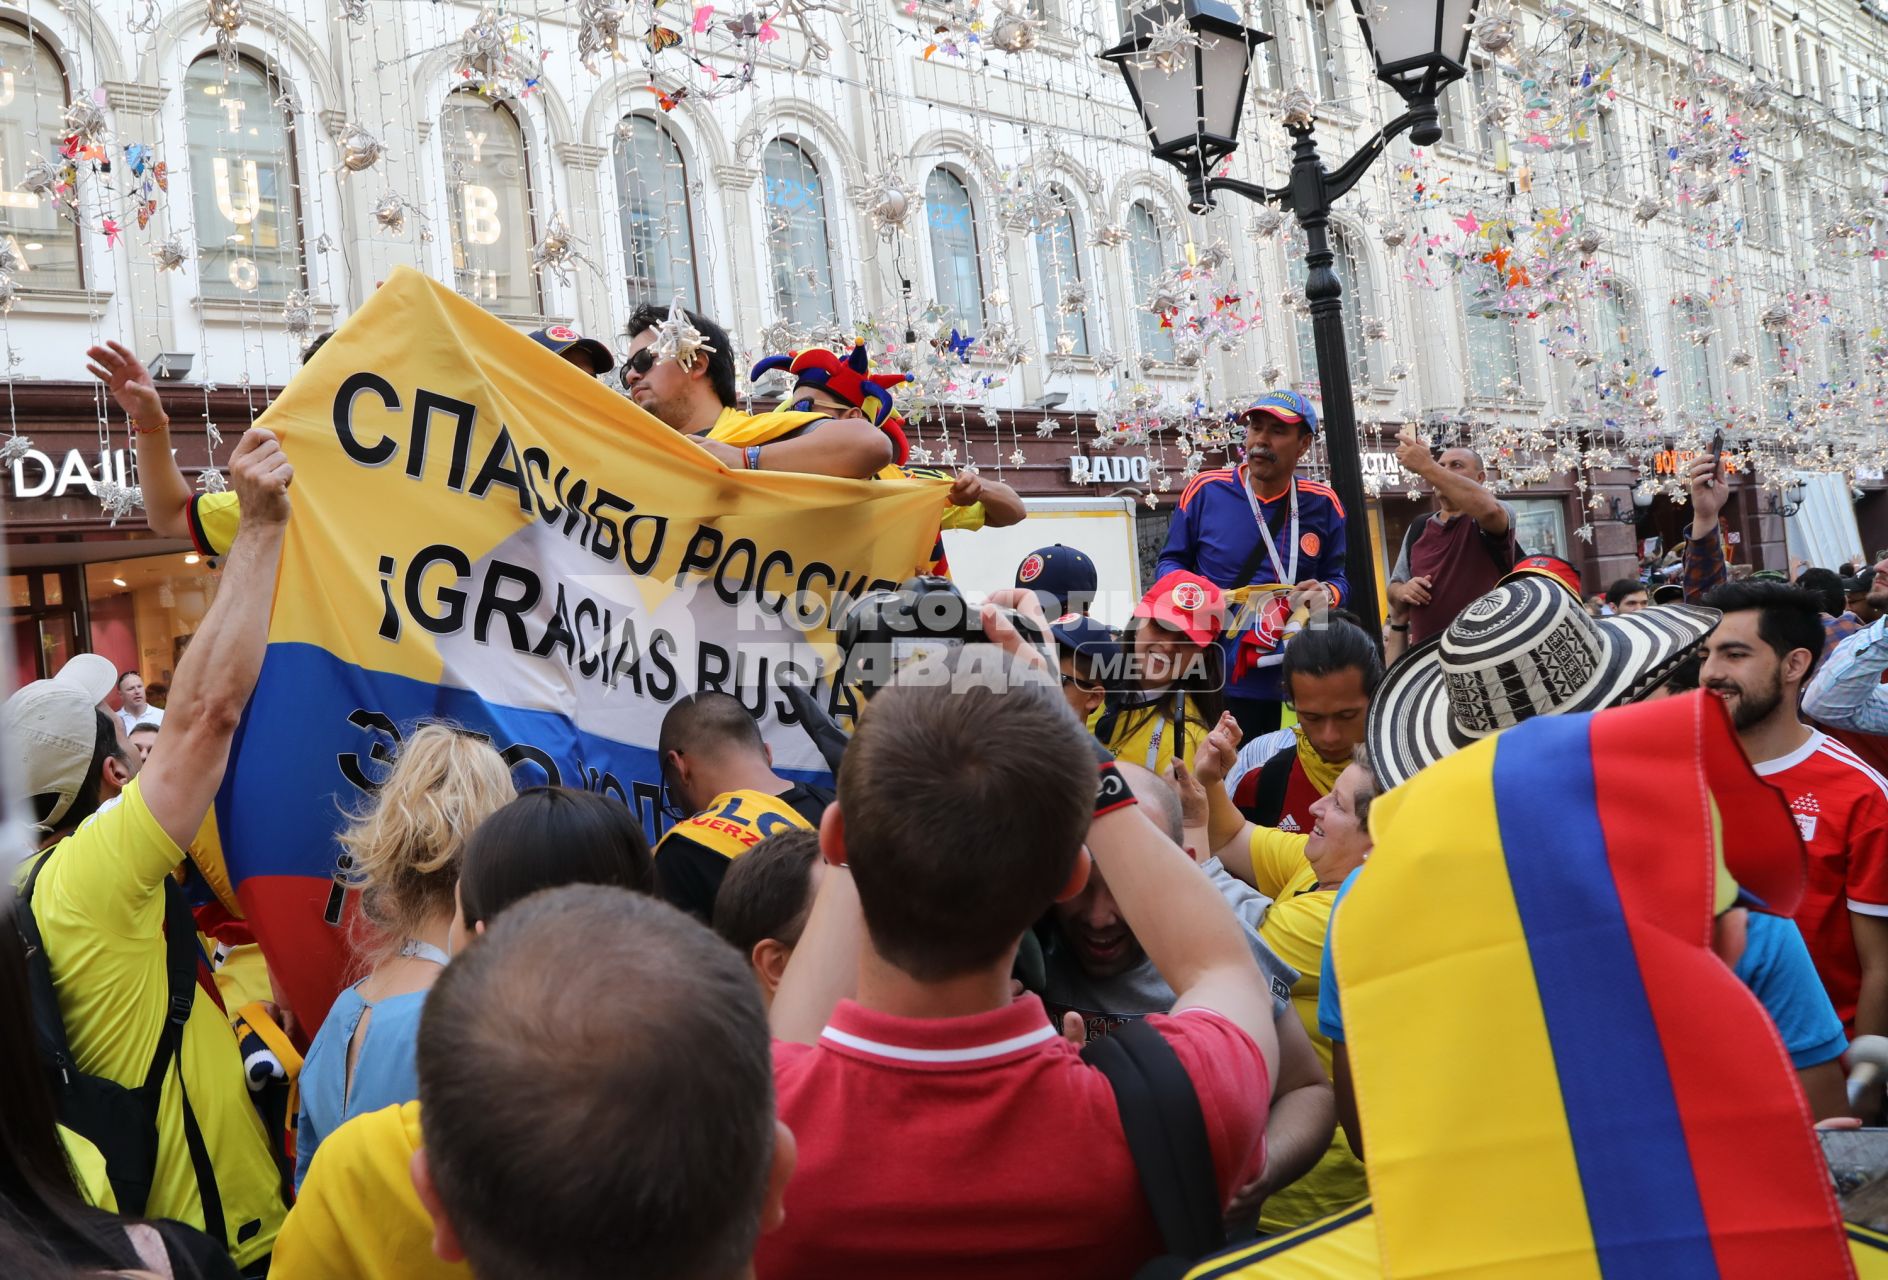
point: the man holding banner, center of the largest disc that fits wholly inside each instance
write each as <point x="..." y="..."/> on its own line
<point x="484" y="535"/>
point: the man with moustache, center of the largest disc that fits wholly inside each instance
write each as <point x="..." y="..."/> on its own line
<point x="1260" y="524"/>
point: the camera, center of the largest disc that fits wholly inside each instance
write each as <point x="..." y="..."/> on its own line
<point x="923" y="619"/>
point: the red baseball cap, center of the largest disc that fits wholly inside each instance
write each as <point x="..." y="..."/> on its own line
<point x="1187" y="603"/>
<point x="1547" y="567"/>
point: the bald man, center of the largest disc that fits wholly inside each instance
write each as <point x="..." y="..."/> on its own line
<point x="1455" y="555"/>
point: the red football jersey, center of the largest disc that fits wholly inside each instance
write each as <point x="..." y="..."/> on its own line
<point x="1841" y="807"/>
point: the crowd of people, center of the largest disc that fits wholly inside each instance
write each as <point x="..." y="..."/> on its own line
<point x="1051" y="980"/>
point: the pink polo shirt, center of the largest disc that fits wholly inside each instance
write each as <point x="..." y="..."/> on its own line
<point x="984" y="1146"/>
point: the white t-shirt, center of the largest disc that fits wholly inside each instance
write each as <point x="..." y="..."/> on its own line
<point x="151" y="715"/>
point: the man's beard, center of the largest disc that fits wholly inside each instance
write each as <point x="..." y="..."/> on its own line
<point x="1878" y="599"/>
<point x="1751" y="708"/>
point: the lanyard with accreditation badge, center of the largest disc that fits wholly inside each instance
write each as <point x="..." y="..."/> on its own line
<point x="1285" y="574"/>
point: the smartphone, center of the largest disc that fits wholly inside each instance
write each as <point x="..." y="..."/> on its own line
<point x="1717" y="457"/>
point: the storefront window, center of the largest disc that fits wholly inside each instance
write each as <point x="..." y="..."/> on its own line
<point x="144" y="611"/>
<point x="45" y="628"/>
<point x="1540" y="526"/>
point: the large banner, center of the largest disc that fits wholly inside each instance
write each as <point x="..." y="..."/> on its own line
<point x="484" y="535"/>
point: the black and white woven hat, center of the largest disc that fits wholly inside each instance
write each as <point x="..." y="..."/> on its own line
<point x="1525" y="649"/>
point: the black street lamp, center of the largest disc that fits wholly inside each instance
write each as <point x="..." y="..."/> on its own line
<point x="1186" y="63"/>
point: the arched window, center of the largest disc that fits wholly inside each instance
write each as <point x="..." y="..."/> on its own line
<point x="658" y="229"/>
<point x="1058" y="258"/>
<point x="242" y="178"/>
<point x="488" y="199"/>
<point x="799" y="251"/>
<point x="1697" y="369"/>
<point x="1494" y="353"/>
<point x="1355" y="300"/>
<point x="954" y="261"/>
<point x="1147" y="257"/>
<point x="33" y="98"/>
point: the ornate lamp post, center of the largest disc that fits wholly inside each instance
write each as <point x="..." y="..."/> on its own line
<point x="1186" y="63"/>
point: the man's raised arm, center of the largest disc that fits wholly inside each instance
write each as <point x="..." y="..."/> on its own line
<point x="218" y="671"/>
<point x="166" y="492"/>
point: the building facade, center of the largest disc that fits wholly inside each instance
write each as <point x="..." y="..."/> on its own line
<point x="967" y="187"/>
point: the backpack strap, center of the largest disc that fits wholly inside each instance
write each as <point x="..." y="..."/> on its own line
<point x="1166" y="1133"/>
<point x="182" y="955"/>
<point x="48" y="1023"/>
<point x="1268" y="795"/>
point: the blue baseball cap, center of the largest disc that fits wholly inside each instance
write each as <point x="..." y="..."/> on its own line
<point x="1062" y="574"/>
<point x="1286" y="406"/>
<point x="561" y="338"/>
<point x="1090" y="637"/>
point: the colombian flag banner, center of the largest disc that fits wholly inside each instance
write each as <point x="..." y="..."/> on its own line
<point x="482" y="534"/>
<point x="1556" y="1075"/>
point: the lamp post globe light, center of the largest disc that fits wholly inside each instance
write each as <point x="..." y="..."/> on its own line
<point x="1187" y="64"/>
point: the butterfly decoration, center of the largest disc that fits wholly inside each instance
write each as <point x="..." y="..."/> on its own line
<point x="704" y="18"/>
<point x="960" y="345"/>
<point x="145" y="212"/>
<point x="111" y="230"/>
<point x="660" y="37"/>
<point x="138" y="156"/>
<point x="666" y="100"/>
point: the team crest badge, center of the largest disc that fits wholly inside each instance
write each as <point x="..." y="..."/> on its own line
<point x="561" y="333"/>
<point x="1806" y="823"/>
<point x="1188" y="596"/>
<point x="1031" y="570"/>
<point x="1067" y="618"/>
<point x="1310" y="544"/>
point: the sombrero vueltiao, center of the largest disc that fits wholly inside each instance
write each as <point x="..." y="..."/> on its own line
<point x="1525" y="649"/>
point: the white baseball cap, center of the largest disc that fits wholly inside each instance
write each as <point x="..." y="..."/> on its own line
<point x="91" y="672"/>
<point x="53" y="725"/>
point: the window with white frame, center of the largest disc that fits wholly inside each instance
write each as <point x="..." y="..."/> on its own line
<point x="488" y="203"/>
<point x="1599" y="160"/>
<point x="242" y="177"/>
<point x="1355" y="300"/>
<point x="1324" y="50"/>
<point x="799" y="251"/>
<point x="1268" y="60"/>
<point x="1773" y="361"/>
<point x="33" y="98"/>
<point x="956" y="266"/>
<point x="1493" y="347"/>
<point x="1613" y="323"/>
<point x="1059" y="267"/>
<point x="1147" y="259"/>
<point x="1697" y="364"/>
<point x="658" y="226"/>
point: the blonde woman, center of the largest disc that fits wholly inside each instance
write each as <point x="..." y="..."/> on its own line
<point x="403" y="856"/>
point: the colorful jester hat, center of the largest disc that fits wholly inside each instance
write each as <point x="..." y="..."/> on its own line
<point x="850" y="380"/>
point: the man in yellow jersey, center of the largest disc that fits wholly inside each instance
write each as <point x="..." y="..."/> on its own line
<point x="716" y="768"/>
<point x="694" y="392"/>
<point x="101" y="894"/>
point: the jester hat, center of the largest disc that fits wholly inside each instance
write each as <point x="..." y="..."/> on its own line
<point x="850" y="380"/>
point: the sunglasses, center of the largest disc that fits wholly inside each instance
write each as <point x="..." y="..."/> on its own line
<point x="1085" y="686"/>
<point x="642" y="362"/>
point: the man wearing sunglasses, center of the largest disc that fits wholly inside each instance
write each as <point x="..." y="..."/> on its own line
<point x="699" y="400"/>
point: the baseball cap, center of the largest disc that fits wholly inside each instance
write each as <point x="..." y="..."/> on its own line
<point x="90" y="673"/>
<point x="53" y="726"/>
<point x="561" y="338"/>
<point x="1668" y="593"/>
<point x="1187" y="603"/>
<point x="1769" y="575"/>
<point x="1090" y="637"/>
<point x="1287" y="406"/>
<point x="1547" y="567"/>
<point x="1060" y="573"/>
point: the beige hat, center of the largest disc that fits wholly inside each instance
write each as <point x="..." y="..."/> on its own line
<point x="53" y="725"/>
<point x="94" y="673"/>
